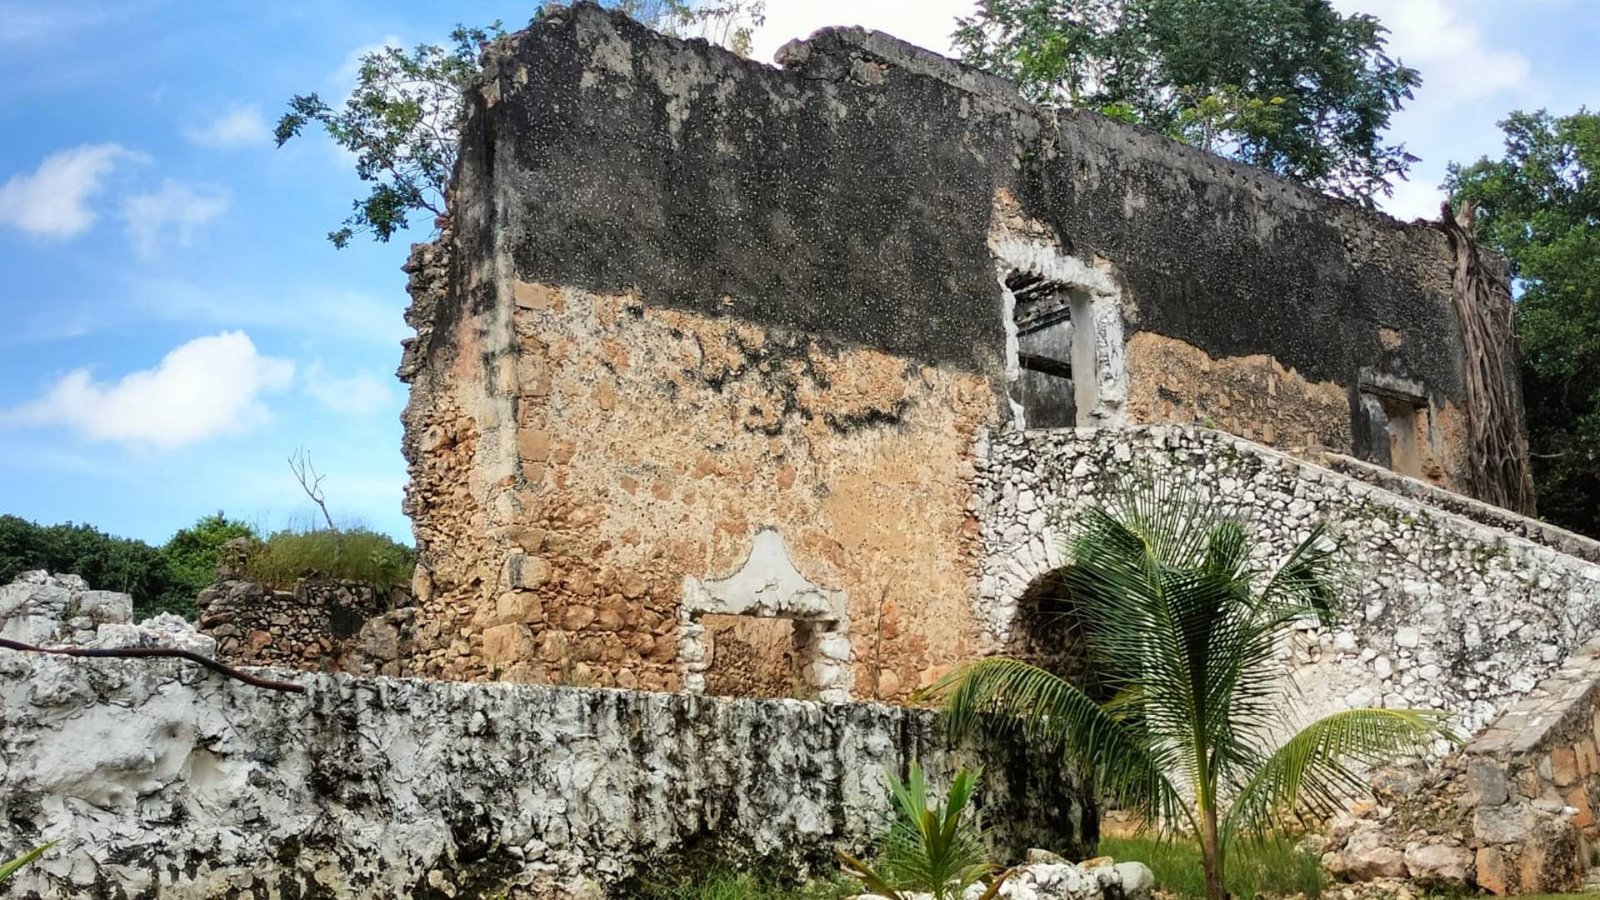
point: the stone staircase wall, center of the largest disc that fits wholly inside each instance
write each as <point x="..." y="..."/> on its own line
<point x="1558" y="539"/>
<point x="1513" y="812"/>
<point x="1443" y="611"/>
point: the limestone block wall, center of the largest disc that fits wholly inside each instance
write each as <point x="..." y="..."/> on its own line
<point x="315" y="626"/>
<point x="1512" y="813"/>
<point x="159" y="779"/>
<point x="1444" y="612"/>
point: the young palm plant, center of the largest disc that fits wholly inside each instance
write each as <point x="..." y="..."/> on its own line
<point x="933" y="848"/>
<point x="1180" y="628"/>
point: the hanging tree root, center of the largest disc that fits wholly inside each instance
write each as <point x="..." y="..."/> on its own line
<point x="169" y="652"/>
<point x="1497" y="454"/>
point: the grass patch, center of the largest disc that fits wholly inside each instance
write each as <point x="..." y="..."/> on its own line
<point x="354" y="554"/>
<point x="727" y="884"/>
<point x="1275" y="869"/>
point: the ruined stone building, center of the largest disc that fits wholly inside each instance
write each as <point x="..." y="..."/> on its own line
<point x="783" y="381"/>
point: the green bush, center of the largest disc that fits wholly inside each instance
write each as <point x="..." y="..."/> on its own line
<point x="107" y="563"/>
<point x="933" y="847"/>
<point x="192" y="552"/>
<point x="1274" y="868"/>
<point x="355" y="554"/>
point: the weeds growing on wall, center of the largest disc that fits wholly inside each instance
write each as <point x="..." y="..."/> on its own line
<point x="354" y="554"/>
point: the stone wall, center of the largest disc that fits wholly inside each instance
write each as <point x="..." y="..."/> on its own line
<point x="1513" y="813"/>
<point x="684" y="300"/>
<point x="159" y="779"/>
<point x="320" y="625"/>
<point x="1443" y="612"/>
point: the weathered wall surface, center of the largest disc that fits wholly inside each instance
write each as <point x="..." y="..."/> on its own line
<point x="685" y="298"/>
<point x="320" y="625"/>
<point x="1513" y="813"/>
<point x="161" y="781"/>
<point x="1445" y="612"/>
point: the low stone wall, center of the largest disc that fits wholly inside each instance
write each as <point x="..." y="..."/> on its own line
<point x="1444" y="612"/>
<point x="319" y="626"/>
<point x="161" y="780"/>
<point x="1514" y="813"/>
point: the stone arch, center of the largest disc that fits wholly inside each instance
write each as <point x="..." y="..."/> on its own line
<point x="768" y="586"/>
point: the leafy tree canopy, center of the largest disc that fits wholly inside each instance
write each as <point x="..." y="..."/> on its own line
<point x="192" y="552"/>
<point x="402" y="119"/>
<point x="105" y="562"/>
<point x="1291" y="86"/>
<point x="1540" y="206"/>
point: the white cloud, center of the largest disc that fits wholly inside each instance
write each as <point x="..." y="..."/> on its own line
<point x="29" y="22"/>
<point x="240" y="126"/>
<point x="53" y="201"/>
<point x="175" y="208"/>
<point x="207" y="387"/>
<point x="1436" y="38"/>
<point x="344" y="78"/>
<point x="926" y="23"/>
<point x="360" y="394"/>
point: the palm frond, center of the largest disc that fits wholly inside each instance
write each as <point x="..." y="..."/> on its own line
<point x="1015" y="696"/>
<point x="1316" y="770"/>
<point x="935" y="847"/>
<point x="1309" y="581"/>
<point x="869" y="877"/>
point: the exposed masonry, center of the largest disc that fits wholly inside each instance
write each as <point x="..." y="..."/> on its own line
<point x="1445" y="612"/>
<point x="1514" y="814"/>
<point x="769" y="586"/>
<point x="685" y="299"/>
<point x="160" y="779"/>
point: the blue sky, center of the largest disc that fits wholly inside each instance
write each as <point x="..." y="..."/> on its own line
<point x="175" y="325"/>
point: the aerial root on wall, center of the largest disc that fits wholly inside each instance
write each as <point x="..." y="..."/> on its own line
<point x="1498" y="467"/>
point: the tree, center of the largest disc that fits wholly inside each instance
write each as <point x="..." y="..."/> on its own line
<point x="105" y="562"/>
<point x="402" y="119"/>
<point x="1291" y="86"/>
<point x="192" y="554"/>
<point x="1182" y="628"/>
<point x="1539" y="205"/>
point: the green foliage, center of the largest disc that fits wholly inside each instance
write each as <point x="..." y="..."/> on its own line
<point x="1540" y="206"/>
<point x="1268" y="869"/>
<point x="403" y="116"/>
<point x="355" y="554"/>
<point x="400" y="121"/>
<point x="105" y="562"/>
<point x="192" y="552"/>
<point x="1291" y="86"/>
<point x="1182" y="629"/>
<point x="933" y="847"/>
<point x="9" y="868"/>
